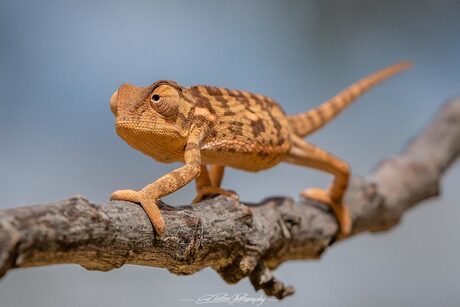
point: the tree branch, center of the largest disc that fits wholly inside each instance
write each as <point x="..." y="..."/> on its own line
<point x="235" y="239"/>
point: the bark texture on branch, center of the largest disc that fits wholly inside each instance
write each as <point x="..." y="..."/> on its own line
<point x="237" y="240"/>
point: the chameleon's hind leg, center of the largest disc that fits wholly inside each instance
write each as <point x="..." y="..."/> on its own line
<point x="305" y="154"/>
<point x="208" y="184"/>
<point x="216" y="173"/>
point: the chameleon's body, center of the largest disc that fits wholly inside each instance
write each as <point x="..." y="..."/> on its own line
<point x="204" y="125"/>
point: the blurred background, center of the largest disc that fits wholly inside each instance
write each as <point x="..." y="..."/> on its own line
<point x="61" y="60"/>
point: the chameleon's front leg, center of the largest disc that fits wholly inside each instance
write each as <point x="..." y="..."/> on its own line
<point x="165" y="185"/>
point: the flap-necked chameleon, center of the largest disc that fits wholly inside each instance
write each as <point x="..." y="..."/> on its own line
<point x="205" y="126"/>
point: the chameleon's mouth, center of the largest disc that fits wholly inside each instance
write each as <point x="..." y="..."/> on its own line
<point x="132" y="124"/>
<point x="149" y="129"/>
<point x="148" y="141"/>
<point x="125" y="124"/>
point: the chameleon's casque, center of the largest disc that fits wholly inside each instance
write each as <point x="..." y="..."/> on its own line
<point x="205" y="125"/>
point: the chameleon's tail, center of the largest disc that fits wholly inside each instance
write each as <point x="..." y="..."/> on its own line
<point x="308" y="122"/>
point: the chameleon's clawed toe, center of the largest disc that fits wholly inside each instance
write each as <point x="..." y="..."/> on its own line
<point x="339" y="209"/>
<point x="317" y="194"/>
<point x="153" y="212"/>
<point x="209" y="191"/>
<point x="127" y="195"/>
<point x="148" y="204"/>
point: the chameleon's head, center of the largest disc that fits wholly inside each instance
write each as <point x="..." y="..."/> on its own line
<point x="152" y="119"/>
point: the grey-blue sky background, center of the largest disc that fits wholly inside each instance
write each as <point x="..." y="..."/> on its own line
<point x="61" y="60"/>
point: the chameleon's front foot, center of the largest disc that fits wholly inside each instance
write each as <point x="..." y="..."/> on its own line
<point x="340" y="210"/>
<point x="148" y="203"/>
<point x="206" y="191"/>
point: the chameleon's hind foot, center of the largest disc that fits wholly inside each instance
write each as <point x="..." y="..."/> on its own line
<point x="340" y="210"/>
<point x="148" y="204"/>
<point x="208" y="191"/>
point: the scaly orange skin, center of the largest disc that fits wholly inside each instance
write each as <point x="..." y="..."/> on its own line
<point x="205" y="125"/>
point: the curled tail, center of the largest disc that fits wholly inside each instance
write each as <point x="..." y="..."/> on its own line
<point x="308" y="122"/>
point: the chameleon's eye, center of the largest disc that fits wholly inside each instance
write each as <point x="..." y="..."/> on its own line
<point x="155" y="97"/>
<point x="165" y="100"/>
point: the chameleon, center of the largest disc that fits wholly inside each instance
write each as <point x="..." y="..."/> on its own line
<point x="208" y="128"/>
